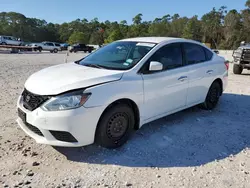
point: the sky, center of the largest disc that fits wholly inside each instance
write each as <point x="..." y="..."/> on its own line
<point x="59" y="11"/>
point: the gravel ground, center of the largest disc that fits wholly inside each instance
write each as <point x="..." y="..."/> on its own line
<point x="192" y="148"/>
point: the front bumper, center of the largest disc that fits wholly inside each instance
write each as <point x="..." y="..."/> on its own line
<point x="80" y="123"/>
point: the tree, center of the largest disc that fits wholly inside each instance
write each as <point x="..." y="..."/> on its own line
<point x="192" y="29"/>
<point x="248" y="4"/>
<point x="77" y="37"/>
<point x="221" y="28"/>
<point x="232" y="30"/>
<point x="137" y="19"/>
<point x="114" y="35"/>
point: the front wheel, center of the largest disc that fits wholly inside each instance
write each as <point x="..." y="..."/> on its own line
<point x="55" y="50"/>
<point x="213" y="96"/>
<point x="115" y="126"/>
<point x="40" y="49"/>
<point x="237" y="69"/>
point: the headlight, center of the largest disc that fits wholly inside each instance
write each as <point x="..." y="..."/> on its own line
<point x="66" y="101"/>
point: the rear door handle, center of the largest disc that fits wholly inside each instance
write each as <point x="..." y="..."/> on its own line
<point x="183" y="78"/>
<point x="210" y="71"/>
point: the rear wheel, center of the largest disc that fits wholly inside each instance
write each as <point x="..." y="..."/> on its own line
<point x="55" y="50"/>
<point x="3" y="43"/>
<point x="237" y="69"/>
<point x="115" y="126"/>
<point x="212" y="96"/>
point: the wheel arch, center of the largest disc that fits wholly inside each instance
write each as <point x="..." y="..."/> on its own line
<point x="219" y="80"/>
<point x="129" y="102"/>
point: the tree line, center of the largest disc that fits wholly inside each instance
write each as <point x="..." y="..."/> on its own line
<point x="221" y="28"/>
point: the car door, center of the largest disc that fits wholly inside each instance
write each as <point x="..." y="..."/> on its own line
<point x="201" y="71"/>
<point x="14" y="41"/>
<point x="166" y="90"/>
<point x="8" y="40"/>
<point x="48" y="46"/>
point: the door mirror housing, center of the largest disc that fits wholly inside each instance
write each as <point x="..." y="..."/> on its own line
<point x="155" y="66"/>
<point x="216" y="51"/>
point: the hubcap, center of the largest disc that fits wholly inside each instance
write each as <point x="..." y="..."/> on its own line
<point x="117" y="125"/>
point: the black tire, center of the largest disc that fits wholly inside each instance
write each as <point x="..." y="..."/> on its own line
<point x="55" y="50"/>
<point x="213" y="96"/>
<point x="115" y="126"/>
<point x="237" y="69"/>
<point x="90" y="51"/>
<point x="3" y="43"/>
<point x="40" y="49"/>
<point x="51" y="51"/>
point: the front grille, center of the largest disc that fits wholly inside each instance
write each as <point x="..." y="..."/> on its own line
<point x="34" y="129"/>
<point x="63" y="136"/>
<point x="32" y="101"/>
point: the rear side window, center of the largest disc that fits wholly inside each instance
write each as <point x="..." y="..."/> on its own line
<point x="194" y="53"/>
<point x="209" y="54"/>
<point x="57" y="44"/>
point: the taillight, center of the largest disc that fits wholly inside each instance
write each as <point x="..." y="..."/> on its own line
<point x="227" y="64"/>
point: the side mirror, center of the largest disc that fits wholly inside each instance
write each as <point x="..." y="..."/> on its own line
<point x="216" y="51"/>
<point x="155" y="66"/>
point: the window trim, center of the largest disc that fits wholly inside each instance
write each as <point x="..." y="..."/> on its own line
<point x="206" y="54"/>
<point x="144" y="72"/>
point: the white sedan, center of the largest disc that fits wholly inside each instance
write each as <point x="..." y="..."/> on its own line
<point x="105" y="96"/>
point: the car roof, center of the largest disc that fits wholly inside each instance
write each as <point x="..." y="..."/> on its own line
<point x="156" y="39"/>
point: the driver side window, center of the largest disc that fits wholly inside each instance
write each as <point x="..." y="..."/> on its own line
<point x="170" y="56"/>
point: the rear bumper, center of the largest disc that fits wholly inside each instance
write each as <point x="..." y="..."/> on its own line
<point x="80" y="123"/>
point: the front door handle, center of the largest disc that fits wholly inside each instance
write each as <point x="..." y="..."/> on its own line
<point x="210" y="71"/>
<point x="182" y="78"/>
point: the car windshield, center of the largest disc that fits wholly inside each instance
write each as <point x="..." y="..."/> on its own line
<point x="121" y="55"/>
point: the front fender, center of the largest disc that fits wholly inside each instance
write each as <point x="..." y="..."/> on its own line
<point x="105" y="94"/>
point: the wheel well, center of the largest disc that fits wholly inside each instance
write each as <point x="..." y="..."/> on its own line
<point x="134" y="107"/>
<point x="221" y="84"/>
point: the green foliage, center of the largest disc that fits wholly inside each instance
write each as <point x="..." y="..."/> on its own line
<point x="192" y="29"/>
<point x="219" y="27"/>
<point x="114" y="35"/>
<point x="77" y="37"/>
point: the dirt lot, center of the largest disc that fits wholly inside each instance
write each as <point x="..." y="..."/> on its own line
<point x="193" y="148"/>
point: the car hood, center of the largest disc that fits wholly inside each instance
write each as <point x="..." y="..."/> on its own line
<point x="64" y="77"/>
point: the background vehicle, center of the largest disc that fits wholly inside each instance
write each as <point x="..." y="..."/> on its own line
<point x="81" y="47"/>
<point x="47" y="46"/>
<point x="241" y="59"/>
<point x="9" y="40"/>
<point x="64" y="46"/>
<point x="115" y="90"/>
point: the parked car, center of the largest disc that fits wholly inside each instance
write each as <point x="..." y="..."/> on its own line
<point x="81" y="47"/>
<point x="9" y="40"/>
<point x="64" y="46"/>
<point x="53" y="47"/>
<point x="241" y="58"/>
<point x="105" y="96"/>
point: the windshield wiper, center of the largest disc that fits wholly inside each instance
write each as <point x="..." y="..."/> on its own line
<point x="94" y="65"/>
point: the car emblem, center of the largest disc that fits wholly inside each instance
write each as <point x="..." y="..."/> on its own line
<point x="27" y="98"/>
